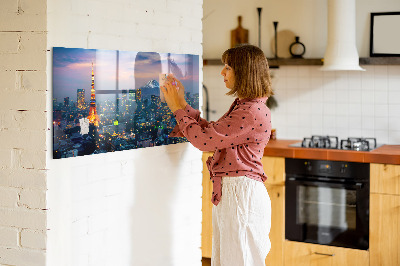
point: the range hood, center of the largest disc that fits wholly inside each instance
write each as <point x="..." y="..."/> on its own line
<point x="341" y="51"/>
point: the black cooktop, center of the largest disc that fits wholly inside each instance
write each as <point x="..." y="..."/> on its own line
<point x="332" y="142"/>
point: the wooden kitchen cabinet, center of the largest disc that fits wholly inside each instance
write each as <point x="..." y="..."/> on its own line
<point x="274" y="168"/>
<point x="385" y="178"/>
<point x="305" y="254"/>
<point x="277" y="233"/>
<point x="384" y="237"/>
<point x="206" y="225"/>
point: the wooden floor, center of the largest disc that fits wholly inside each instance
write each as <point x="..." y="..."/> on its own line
<point x="206" y="261"/>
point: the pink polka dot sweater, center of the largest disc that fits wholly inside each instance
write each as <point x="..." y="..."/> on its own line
<point x="238" y="139"/>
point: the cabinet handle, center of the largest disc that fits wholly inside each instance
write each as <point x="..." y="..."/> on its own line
<point x="325" y="254"/>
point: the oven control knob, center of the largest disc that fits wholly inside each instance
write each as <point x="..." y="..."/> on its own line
<point x="309" y="167"/>
<point x="343" y="168"/>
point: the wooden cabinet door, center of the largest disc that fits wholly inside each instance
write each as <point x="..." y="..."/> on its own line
<point x="206" y="226"/>
<point x="385" y="178"/>
<point x="274" y="168"/>
<point x="384" y="236"/>
<point x="305" y="254"/>
<point x="277" y="233"/>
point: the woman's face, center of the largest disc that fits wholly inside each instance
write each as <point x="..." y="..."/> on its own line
<point x="229" y="76"/>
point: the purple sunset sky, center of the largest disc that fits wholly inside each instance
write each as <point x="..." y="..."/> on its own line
<point x="72" y="70"/>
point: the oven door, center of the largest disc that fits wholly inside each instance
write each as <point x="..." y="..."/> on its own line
<point x="327" y="213"/>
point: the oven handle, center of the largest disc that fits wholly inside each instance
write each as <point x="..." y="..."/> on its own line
<point x="357" y="185"/>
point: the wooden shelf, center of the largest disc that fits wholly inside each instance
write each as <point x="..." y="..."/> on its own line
<point x="380" y="61"/>
<point x="274" y="63"/>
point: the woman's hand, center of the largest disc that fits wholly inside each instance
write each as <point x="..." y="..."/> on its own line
<point x="174" y="93"/>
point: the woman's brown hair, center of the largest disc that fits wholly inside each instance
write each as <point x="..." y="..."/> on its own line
<point x="250" y="66"/>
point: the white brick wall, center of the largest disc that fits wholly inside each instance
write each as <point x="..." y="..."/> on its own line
<point x="23" y="132"/>
<point x="137" y="207"/>
<point x="100" y="207"/>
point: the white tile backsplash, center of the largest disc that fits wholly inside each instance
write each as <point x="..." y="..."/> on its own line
<point x="394" y="110"/>
<point x="342" y="103"/>
<point x="381" y="110"/>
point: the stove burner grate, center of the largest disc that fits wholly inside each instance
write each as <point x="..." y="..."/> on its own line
<point x="332" y="142"/>
<point x="327" y="142"/>
<point x="358" y="144"/>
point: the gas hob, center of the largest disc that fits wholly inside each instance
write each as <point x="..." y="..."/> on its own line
<point x="332" y="142"/>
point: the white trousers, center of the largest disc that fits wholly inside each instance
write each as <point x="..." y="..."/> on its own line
<point x="241" y="223"/>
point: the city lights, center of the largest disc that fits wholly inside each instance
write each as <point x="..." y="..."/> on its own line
<point x="111" y="119"/>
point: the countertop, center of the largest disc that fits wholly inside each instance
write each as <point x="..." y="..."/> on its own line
<point x="387" y="154"/>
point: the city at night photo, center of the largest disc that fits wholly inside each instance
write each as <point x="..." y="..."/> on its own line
<point x="108" y="100"/>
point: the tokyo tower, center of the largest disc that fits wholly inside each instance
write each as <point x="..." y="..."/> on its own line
<point x="93" y="117"/>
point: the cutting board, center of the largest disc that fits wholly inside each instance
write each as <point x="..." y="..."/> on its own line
<point x="239" y="35"/>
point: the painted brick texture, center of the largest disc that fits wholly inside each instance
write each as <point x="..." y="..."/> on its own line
<point x="125" y="207"/>
<point x="23" y="132"/>
<point x="111" y="209"/>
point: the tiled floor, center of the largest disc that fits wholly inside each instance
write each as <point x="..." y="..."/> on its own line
<point x="206" y="261"/>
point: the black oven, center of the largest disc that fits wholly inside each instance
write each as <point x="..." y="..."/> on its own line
<point x="327" y="202"/>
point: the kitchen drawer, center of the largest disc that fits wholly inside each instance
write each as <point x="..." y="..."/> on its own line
<point x="305" y="254"/>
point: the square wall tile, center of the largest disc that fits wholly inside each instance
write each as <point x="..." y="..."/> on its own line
<point x="329" y="109"/>
<point x="354" y="82"/>
<point x="342" y="122"/>
<point x="355" y="132"/>
<point x="394" y="97"/>
<point x="393" y="71"/>
<point x="291" y="71"/>
<point x="355" y="96"/>
<point x="355" y="109"/>
<point x="368" y="110"/>
<point x="367" y="96"/>
<point x="381" y="84"/>
<point x="304" y="72"/>
<point x="382" y="136"/>
<point x="368" y="122"/>
<point x="382" y="123"/>
<point x="394" y="83"/>
<point x="329" y="122"/>
<point x="342" y="96"/>
<point x="380" y="71"/>
<point x="381" y="97"/>
<point x="355" y="122"/>
<point x="367" y="83"/>
<point x="381" y="110"/>
<point x="394" y="123"/>
<point x="394" y="137"/>
<point x="292" y="82"/>
<point x="342" y="109"/>
<point x="394" y="110"/>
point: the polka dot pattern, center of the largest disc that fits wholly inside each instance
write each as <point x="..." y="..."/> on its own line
<point x="238" y="139"/>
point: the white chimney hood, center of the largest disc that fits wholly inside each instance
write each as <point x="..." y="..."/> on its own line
<point x="341" y="51"/>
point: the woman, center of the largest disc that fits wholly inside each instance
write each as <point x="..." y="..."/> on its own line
<point x="242" y="208"/>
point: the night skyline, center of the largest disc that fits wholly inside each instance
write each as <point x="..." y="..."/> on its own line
<point x="96" y="112"/>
